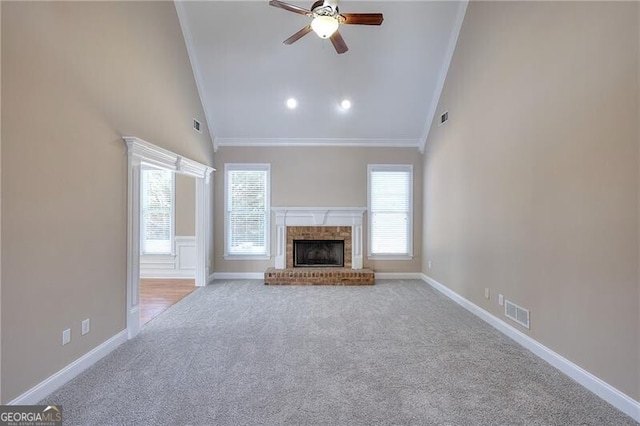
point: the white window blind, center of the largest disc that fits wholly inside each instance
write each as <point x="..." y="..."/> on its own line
<point x="248" y="210"/>
<point x="157" y="211"/>
<point x="390" y="210"/>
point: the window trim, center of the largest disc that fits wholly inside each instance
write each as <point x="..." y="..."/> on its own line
<point x="172" y="232"/>
<point x="249" y="167"/>
<point x="394" y="168"/>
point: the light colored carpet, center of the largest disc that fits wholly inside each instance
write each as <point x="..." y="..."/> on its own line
<point x="241" y="353"/>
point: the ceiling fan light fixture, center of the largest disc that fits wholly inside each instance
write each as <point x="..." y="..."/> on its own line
<point x="324" y="26"/>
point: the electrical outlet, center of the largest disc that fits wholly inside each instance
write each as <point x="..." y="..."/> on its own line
<point x="501" y="299"/>
<point x="429" y="264"/>
<point x="66" y="336"/>
<point x="486" y="293"/>
<point x="86" y="326"/>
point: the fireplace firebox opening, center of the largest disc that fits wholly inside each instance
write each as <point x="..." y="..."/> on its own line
<point x="318" y="253"/>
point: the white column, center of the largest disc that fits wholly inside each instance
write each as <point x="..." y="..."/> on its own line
<point x="133" y="255"/>
<point x="203" y="199"/>
<point x="281" y="242"/>
<point x="356" y="246"/>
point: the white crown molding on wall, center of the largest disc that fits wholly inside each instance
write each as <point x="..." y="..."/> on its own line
<point x="195" y="68"/>
<point x="453" y="41"/>
<point x="152" y="154"/>
<point x="613" y="396"/>
<point x="357" y="142"/>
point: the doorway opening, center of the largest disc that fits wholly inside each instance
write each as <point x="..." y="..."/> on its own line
<point x="153" y="240"/>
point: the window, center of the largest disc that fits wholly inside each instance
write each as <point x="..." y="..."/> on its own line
<point x="157" y="212"/>
<point x="247" y="210"/>
<point x="390" y="209"/>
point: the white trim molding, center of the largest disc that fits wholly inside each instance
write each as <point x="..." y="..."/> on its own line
<point x="195" y="66"/>
<point x="319" y="216"/>
<point x="140" y="153"/>
<point x="146" y="152"/>
<point x="613" y="396"/>
<point x="353" y="142"/>
<point x="453" y="40"/>
<point x="53" y="382"/>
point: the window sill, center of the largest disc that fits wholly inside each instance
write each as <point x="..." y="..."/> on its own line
<point x="246" y="257"/>
<point x="390" y="257"/>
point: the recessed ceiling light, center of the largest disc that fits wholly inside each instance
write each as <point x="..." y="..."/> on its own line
<point x="292" y="103"/>
<point x="345" y="104"/>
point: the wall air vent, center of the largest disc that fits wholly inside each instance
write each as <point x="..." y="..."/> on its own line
<point x="517" y="313"/>
<point x="196" y="126"/>
<point x="444" y="117"/>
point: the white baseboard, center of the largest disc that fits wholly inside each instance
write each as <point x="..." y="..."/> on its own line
<point x="613" y="396"/>
<point x="167" y="274"/>
<point x="236" y="276"/>
<point x="46" y="387"/>
<point x="398" y="275"/>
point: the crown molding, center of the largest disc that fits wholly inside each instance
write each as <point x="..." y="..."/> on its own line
<point x="353" y="142"/>
<point x="195" y="67"/>
<point x="453" y="41"/>
<point x="143" y="151"/>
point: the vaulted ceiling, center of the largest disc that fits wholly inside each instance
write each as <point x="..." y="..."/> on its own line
<point x="392" y="74"/>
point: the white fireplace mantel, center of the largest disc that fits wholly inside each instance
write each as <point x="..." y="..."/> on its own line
<point x="319" y="216"/>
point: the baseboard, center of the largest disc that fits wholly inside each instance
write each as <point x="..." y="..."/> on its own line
<point x="46" y="387"/>
<point x="236" y="276"/>
<point x="398" y="275"/>
<point x="613" y="396"/>
<point x="167" y="274"/>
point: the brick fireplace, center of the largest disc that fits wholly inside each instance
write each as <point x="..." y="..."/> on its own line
<point x="319" y="224"/>
<point x="319" y="233"/>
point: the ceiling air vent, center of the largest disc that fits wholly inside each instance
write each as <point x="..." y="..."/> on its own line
<point x="516" y="313"/>
<point x="196" y="126"/>
<point x="443" y="118"/>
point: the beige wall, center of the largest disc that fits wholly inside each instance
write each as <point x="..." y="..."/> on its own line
<point x="0" y="209"/>
<point x="185" y="206"/>
<point x="76" y="77"/>
<point x="531" y="188"/>
<point x="316" y="177"/>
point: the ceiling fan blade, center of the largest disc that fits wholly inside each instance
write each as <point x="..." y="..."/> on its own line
<point x="297" y="36"/>
<point x="290" y="7"/>
<point x="338" y="42"/>
<point x="361" y="18"/>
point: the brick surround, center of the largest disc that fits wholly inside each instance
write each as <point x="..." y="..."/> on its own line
<point x="319" y="276"/>
<point x="319" y="233"/>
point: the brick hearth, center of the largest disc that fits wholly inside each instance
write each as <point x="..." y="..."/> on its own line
<point x="319" y="276"/>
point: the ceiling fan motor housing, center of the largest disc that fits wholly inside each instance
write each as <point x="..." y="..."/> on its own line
<point x="325" y="8"/>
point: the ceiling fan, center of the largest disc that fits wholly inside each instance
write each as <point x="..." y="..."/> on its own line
<point x="326" y="19"/>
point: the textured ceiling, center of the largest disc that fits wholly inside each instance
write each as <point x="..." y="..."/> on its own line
<point x="392" y="74"/>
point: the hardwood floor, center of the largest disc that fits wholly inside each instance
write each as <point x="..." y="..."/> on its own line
<point x="156" y="295"/>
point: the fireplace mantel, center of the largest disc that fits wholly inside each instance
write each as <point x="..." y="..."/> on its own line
<point x="319" y="216"/>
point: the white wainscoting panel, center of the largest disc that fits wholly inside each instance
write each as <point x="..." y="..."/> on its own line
<point x="180" y="265"/>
